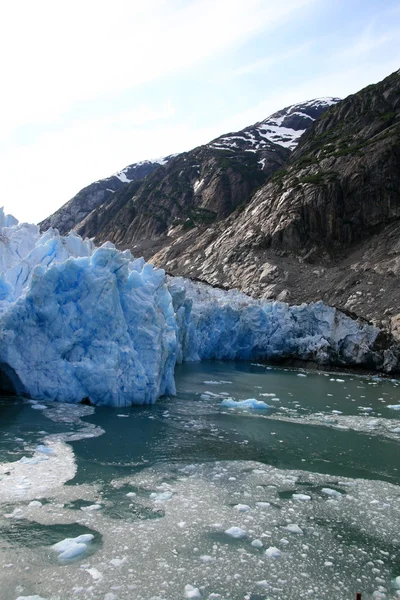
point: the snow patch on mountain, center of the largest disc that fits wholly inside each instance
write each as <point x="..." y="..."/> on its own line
<point x="284" y="127"/>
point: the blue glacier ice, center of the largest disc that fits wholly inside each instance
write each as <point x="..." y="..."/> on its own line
<point x="81" y="322"/>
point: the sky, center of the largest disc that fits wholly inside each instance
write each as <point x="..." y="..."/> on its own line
<point x="89" y="87"/>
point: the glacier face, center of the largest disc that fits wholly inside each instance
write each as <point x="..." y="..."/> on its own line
<point x="80" y="322"/>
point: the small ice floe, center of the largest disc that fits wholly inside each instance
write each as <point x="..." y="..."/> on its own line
<point x="328" y="563"/>
<point x="15" y="514"/>
<point x="263" y="504"/>
<point x="91" y="507"/>
<point x="273" y="552"/>
<point x="206" y="558"/>
<point x="268" y="395"/>
<point x="394" y="406"/>
<point x="192" y="592"/>
<point x="72" y="547"/>
<point x="118" y="562"/>
<point x="39" y="406"/>
<point x="123" y="416"/>
<point x="34" y="460"/>
<point x="294" y="528"/>
<point x="368" y="408"/>
<point x="337" y="412"/>
<point x="216" y="382"/>
<point x="35" y="504"/>
<point x="302" y="497"/>
<point x="257" y="544"/>
<point x="44" y="449"/>
<point x="35" y="597"/>
<point x="161" y="497"/>
<point x="301" y="375"/>
<point x="131" y="494"/>
<point x="397" y="582"/>
<point x="236" y="532"/>
<point x="242" y="507"/>
<point x="331" y="492"/>
<point x="249" y="403"/>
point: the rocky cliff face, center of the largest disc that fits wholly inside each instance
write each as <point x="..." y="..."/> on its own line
<point x="326" y="226"/>
<point x="98" y="193"/>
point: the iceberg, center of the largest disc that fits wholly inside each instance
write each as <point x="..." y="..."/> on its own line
<point x="79" y="322"/>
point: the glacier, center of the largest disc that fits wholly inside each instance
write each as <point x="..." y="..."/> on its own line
<point x="80" y="322"/>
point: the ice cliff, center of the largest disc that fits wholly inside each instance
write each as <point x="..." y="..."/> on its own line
<point x="80" y="322"/>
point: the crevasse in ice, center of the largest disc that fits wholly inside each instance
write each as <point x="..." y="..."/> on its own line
<point x="80" y="322"/>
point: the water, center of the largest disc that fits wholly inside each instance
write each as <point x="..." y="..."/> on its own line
<point x="159" y="486"/>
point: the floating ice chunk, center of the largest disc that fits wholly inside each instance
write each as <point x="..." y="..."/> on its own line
<point x="44" y="449"/>
<point x="161" y="497"/>
<point x="94" y="573"/>
<point x="216" y="382"/>
<point x="263" y="504"/>
<point x="301" y="375"/>
<point x="131" y="494"/>
<point x="270" y="395"/>
<point x="123" y="416"/>
<point x="303" y="497"/>
<point x="192" y="592"/>
<point x="91" y="507"/>
<point x="236" y="532"/>
<point x="397" y="582"/>
<point x="35" y="503"/>
<point x="257" y="544"/>
<point x="118" y="562"/>
<point x="36" y="597"/>
<point x="242" y="507"/>
<point x="328" y="563"/>
<point x="207" y="558"/>
<point x="337" y="412"/>
<point x="249" y="403"/>
<point x="294" y="528"/>
<point x="39" y="406"/>
<point x="331" y="492"/>
<point x="72" y="547"/>
<point x="394" y="406"/>
<point x="273" y="552"/>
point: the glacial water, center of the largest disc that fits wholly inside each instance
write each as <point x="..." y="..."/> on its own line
<point x="189" y="499"/>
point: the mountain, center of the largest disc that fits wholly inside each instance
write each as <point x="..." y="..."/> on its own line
<point x="95" y="194"/>
<point x="326" y="226"/>
<point x="192" y="189"/>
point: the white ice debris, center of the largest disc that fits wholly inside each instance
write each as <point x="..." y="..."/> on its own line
<point x="294" y="528"/>
<point x="302" y="497"/>
<point x="249" y="403"/>
<point x="331" y="492"/>
<point x="272" y="552"/>
<point x="73" y="547"/>
<point x="236" y="532"/>
<point x="191" y="591"/>
<point x="242" y="507"/>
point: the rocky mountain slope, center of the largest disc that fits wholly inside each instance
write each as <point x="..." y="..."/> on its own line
<point x="194" y="189"/>
<point x="95" y="194"/>
<point x="326" y="226"/>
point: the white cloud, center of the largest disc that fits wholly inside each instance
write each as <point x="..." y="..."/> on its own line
<point x="59" y="54"/>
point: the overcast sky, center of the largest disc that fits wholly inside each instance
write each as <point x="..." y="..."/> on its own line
<point x="90" y="86"/>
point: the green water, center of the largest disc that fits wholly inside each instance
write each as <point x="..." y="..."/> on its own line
<point x="164" y="482"/>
